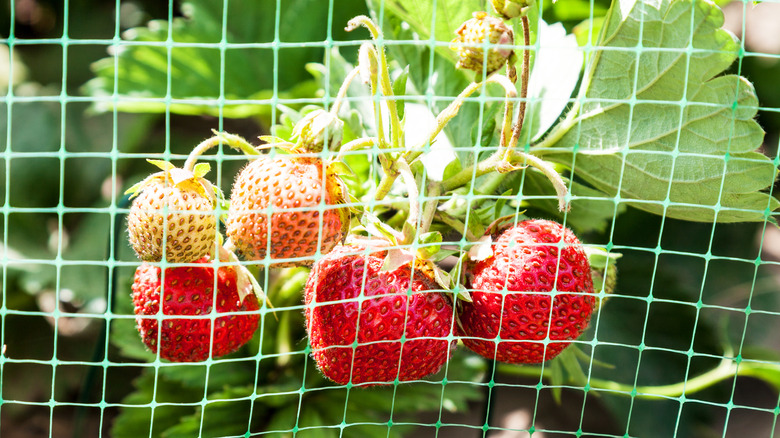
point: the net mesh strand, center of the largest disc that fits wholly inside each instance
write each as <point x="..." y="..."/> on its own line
<point x="104" y="363"/>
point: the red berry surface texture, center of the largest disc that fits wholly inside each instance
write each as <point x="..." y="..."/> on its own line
<point x="348" y="298"/>
<point x="512" y="297"/>
<point x="189" y="291"/>
<point x="275" y="210"/>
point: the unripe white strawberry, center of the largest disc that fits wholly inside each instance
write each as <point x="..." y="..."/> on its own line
<point x="175" y="207"/>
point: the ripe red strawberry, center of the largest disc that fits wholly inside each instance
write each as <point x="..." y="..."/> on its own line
<point x="275" y="205"/>
<point x="189" y="291"/>
<point x="348" y="298"/>
<point x="189" y="224"/>
<point x="510" y="291"/>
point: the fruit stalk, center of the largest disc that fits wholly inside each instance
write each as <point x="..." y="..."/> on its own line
<point x="396" y="135"/>
<point x="368" y="64"/>
<point x="342" y="94"/>
<point x="726" y="369"/>
<point x="523" y="84"/>
<point x="515" y="159"/>
<point x="444" y="117"/>
<point x="452" y="109"/>
<point x="356" y="144"/>
<point x="429" y="210"/>
<point x="413" y="194"/>
<point x="231" y="140"/>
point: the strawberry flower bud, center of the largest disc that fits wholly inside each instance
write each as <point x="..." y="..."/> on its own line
<point x="318" y="128"/>
<point x="473" y="34"/>
<point x="510" y="8"/>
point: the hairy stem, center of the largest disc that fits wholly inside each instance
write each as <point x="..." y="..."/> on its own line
<point x="523" y="83"/>
<point x="453" y="108"/>
<point x="396" y="135"/>
<point x="199" y="150"/>
<point x="413" y="194"/>
<point x="368" y="63"/>
<point x="386" y="183"/>
<point x="356" y="144"/>
<point x="429" y="209"/>
<point x="468" y="174"/>
<point x="725" y="370"/>
<point x="496" y="164"/>
<point x="232" y="140"/>
<point x="442" y="119"/>
<point x="342" y="94"/>
<point x="555" y="178"/>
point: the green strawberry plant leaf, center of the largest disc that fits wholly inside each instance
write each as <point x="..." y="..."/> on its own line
<point x="217" y="418"/>
<point x="161" y="164"/>
<point x="138" y="421"/>
<point x="575" y="10"/>
<point x="659" y="128"/>
<point x="399" y="90"/>
<point x="180" y="66"/>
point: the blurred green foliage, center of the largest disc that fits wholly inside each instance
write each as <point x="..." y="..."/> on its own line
<point x="69" y="213"/>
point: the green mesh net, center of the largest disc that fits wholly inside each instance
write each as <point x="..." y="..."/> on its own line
<point x="654" y="124"/>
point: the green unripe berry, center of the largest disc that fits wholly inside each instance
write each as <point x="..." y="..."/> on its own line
<point x="511" y="8"/>
<point x="473" y="34"/>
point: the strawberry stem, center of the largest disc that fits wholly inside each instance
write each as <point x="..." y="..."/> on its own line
<point x="205" y="145"/>
<point x="728" y="368"/>
<point x="514" y="161"/>
<point x="386" y="183"/>
<point x="523" y="84"/>
<point x="368" y="62"/>
<point x="453" y="108"/>
<point x="552" y="175"/>
<point x="391" y="173"/>
<point x="232" y="140"/>
<point x="356" y="144"/>
<point x="429" y="209"/>
<point x="396" y="135"/>
<point x="342" y="94"/>
<point x="414" y="200"/>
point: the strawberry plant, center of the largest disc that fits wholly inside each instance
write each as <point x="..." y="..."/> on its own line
<point x="450" y="199"/>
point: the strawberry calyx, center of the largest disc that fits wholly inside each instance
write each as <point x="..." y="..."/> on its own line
<point x="337" y="189"/>
<point x="423" y="256"/>
<point x="318" y="129"/>
<point x="178" y="178"/>
<point x="603" y="270"/>
<point x="246" y="282"/>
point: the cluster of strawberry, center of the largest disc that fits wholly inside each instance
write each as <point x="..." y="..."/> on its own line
<point x="529" y="300"/>
<point x="365" y="323"/>
<point x="378" y="306"/>
<point x="174" y="217"/>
